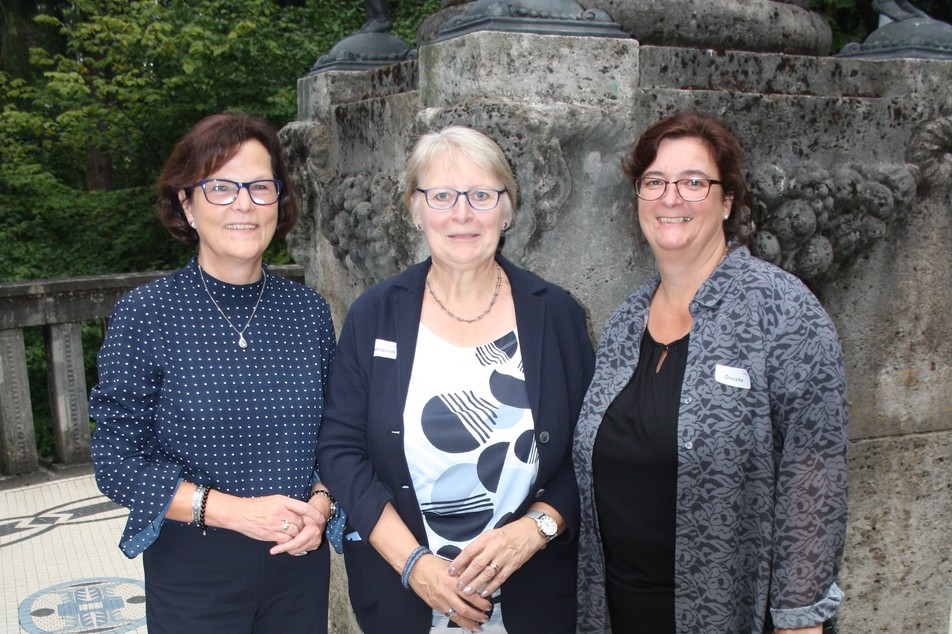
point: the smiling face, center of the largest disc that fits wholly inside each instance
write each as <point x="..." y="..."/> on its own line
<point x="233" y="238"/>
<point x="673" y="226"/>
<point x="460" y="237"/>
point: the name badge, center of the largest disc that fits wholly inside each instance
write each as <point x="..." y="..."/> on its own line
<point x="385" y="349"/>
<point x="736" y="377"/>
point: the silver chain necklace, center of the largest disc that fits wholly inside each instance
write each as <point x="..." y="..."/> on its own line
<point x="446" y="310"/>
<point x="242" y="342"/>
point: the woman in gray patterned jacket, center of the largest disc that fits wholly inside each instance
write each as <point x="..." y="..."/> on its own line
<point x="711" y="447"/>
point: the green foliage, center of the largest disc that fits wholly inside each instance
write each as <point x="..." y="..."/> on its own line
<point x="94" y="93"/>
<point x="85" y="132"/>
<point x="408" y="15"/>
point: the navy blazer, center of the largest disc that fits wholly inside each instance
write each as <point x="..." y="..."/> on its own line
<point x="362" y="457"/>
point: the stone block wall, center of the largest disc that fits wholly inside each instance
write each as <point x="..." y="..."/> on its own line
<point x="852" y="164"/>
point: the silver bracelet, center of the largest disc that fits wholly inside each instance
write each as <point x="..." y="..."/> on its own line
<point x="197" y="504"/>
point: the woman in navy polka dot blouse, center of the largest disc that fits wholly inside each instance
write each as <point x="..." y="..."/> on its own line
<point x="210" y="396"/>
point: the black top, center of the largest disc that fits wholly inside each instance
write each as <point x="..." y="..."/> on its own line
<point x="635" y="468"/>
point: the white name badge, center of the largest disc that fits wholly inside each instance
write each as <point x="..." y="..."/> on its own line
<point x="736" y="377"/>
<point x="385" y="349"/>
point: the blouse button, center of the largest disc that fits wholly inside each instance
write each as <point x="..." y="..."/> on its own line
<point x="544" y="437"/>
<point x="689" y="445"/>
<point x="539" y="493"/>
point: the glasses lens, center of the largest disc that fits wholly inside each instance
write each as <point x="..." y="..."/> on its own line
<point x="441" y="198"/>
<point x="483" y="199"/>
<point x="220" y="192"/>
<point x="650" y="188"/>
<point x="694" y="189"/>
<point x="264" y="192"/>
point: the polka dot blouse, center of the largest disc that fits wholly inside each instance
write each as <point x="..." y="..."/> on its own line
<point x="179" y="399"/>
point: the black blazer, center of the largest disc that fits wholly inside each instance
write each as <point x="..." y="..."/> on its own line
<point x="362" y="459"/>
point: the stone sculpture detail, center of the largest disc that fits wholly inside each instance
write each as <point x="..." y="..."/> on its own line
<point x="363" y="220"/>
<point x="911" y="33"/>
<point x="898" y="10"/>
<point x="812" y="220"/>
<point x="930" y="149"/>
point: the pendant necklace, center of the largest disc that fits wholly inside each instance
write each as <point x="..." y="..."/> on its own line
<point x="463" y="319"/>
<point x="242" y="342"/>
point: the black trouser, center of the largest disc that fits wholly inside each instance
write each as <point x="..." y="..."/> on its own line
<point x="224" y="582"/>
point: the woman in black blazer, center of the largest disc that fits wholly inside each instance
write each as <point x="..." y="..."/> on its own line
<point x="449" y="418"/>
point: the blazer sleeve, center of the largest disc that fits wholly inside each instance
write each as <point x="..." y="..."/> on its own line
<point x="572" y="358"/>
<point x="343" y="448"/>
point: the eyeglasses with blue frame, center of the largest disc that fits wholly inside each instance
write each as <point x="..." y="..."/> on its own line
<point x="221" y="191"/>
<point x="443" y="198"/>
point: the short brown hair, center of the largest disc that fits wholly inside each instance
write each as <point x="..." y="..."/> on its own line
<point x="725" y="149"/>
<point x="211" y="143"/>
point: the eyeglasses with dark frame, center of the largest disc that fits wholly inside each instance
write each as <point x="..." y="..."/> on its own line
<point x="221" y="191"/>
<point x="442" y="198"/>
<point x="693" y="190"/>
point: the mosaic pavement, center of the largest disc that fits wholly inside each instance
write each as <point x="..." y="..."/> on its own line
<point x="60" y="568"/>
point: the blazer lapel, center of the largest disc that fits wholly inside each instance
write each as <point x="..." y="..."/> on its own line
<point x="530" y="320"/>
<point x="406" y="309"/>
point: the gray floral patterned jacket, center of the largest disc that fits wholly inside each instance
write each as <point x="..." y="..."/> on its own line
<point x="761" y="508"/>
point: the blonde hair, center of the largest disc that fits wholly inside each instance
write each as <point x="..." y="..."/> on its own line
<point x="474" y="145"/>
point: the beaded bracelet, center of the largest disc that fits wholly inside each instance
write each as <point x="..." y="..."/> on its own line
<point x="418" y="552"/>
<point x="201" y="515"/>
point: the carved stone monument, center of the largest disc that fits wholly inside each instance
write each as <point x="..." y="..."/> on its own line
<point x="850" y="162"/>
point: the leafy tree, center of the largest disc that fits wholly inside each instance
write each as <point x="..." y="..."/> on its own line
<point x="89" y="115"/>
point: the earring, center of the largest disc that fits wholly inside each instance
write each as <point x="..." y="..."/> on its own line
<point x="726" y="217"/>
<point x="191" y="223"/>
<point x="419" y="227"/>
<point x="505" y="225"/>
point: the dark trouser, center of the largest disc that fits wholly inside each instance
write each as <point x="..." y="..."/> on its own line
<point x="224" y="582"/>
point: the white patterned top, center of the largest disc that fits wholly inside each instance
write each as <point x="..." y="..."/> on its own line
<point x="469" y="442"/>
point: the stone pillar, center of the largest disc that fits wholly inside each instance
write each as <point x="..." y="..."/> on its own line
<point x="68" y="395"/>
<point x="17" y="441"/>
<point x="849" y="163"/>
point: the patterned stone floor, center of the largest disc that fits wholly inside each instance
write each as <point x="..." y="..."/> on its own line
<point x="60" y="568"/>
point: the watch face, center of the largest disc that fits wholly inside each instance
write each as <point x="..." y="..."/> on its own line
<point x="547" y="525"/>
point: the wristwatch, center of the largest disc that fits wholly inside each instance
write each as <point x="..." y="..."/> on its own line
<point x="330" y="498"/>
<point x="546" y="524"/>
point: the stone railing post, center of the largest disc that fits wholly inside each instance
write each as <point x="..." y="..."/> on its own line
<point x="68" y="400"/>
<point x="17" y="440"/>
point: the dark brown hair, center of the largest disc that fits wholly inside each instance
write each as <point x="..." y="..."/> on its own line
<point x="214" y="141"/>
<point x="725" y="149"/>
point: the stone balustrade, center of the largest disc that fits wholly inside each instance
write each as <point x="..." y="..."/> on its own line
<point x="59" y="306"/>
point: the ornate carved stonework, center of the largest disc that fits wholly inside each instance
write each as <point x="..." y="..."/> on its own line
<point x="360" y="215"/>
<point x="812" y="219"/>
<point x="930" y="149"/>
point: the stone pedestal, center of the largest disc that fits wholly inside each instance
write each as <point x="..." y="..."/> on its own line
<point x="849" y="161"/>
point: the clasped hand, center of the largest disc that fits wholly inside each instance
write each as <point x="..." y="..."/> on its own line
<point x="463" y="587"/>
<point x="296" y="527"/>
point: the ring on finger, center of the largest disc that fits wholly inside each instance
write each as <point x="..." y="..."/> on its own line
<point x="301" y="554"/>
<point x="492" y="566"/>
<point x="450" y="613"/>
<point x="287" y="525"/>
